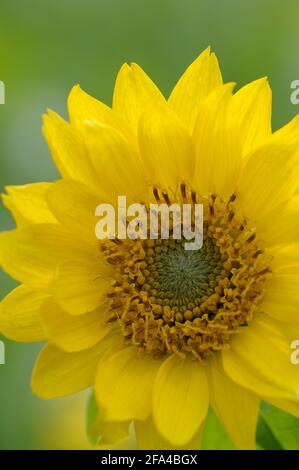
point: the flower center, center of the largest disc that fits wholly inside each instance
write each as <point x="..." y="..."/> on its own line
<point x="180" y="278"/>
<point x="168" y="299"/>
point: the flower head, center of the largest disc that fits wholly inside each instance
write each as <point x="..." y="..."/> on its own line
<point x="161" y="332"/>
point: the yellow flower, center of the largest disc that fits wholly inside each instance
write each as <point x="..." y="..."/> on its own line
<point x="162" y="333"/>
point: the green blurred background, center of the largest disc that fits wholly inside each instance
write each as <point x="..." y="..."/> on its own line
<point x="46" y="47"/>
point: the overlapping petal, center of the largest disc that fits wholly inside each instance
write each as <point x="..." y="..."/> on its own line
<point x="20" y="314"/>
<point x="236" y="407"/>
<point x="180" y="399"/>
<point x="196" y="83"/>
<point x="134" y="93"/>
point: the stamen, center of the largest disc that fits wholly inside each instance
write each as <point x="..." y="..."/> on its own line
<point x="156" y="194"/>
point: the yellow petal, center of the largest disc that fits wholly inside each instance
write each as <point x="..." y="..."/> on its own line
<point x="74" y="207"/>
<point x="282" y="296"/>
<point x="124" y="384"/>
<point x="166" y="148"/>
<point x="180" y="399"/>
<point x="280" y="225"/>
<point x="197" y="82"/>
<point x="268" y="179"/>
<point x="28" y="203"/>
<point x="20" y="315"/>
<point x="73" y="333"/>
<point x="149" y="438"/>
<point x="83" y="108"/>
<point x="251" y="109"/>
<point x="217" y="144"/>
<point x="110" y="432"/>
<point x="288" y="132"/>
<point x="134" y="93"/>
<point x="58" y="373"/>
<point x="285" y="258"/>
<point x="259" y="360"/>
<point x="79" y="285"/>
<point x="68" y="150"/>
<point x="236" y="407"/>
<point x="32" y="254"/>
<point x="104" y="432"/>
<point x="117" y="164"/>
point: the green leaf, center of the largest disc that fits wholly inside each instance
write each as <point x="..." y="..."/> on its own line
<point x="284" y="427"/>
<point x="92" y="414"/>
<point x="214" y="435"/>
<point x="265" y="437"/>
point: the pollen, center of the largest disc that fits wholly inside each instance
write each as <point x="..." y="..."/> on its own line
<point x="166" y="299"/>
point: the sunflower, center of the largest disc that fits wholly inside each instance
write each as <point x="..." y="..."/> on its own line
<point x="162" y="333"/>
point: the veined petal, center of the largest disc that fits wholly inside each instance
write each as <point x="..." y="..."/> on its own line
<point x="285" y="258"/>
<point x="28" y="204"/>
<point x="83" y="108"/>
<point x="197" y="82"/>
<point x="180" y="399"/>
<point x="124" y="384"/>
<point x="73" y="333"/>
<point x="280" y="225"/>
<point x="74" y="207"/>
<point x="20" y="314"/>
<point x="236" y="407"/>
<point x="166" y="148"/>
<point x="217" y="144"/>
<point x="32" y="254"/>
<point x="117" y="164"/>
<point x="251" y="112"/>
<point x="68" y="151"/>
<point x="134" y="93"/>
<point x="79" y="286"/>
<point x="58" y="373"/>
<point x="259" y="360"/>
<point x="148" y="437"/>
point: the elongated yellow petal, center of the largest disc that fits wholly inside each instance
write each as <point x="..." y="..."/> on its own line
<point x="285" y="258"/>
<point x="31" y="254"/>
<point x="236" y="407"/>
<point x="28" y="204"/>
<point x="20" y="314"/>
<point x="217" y="145"/>
<point x="83" y="108"/>
<point x="58" y="373"/>
<point x="251" y="112"/>
<point x="79" y="285"/>
<point x="134" y="93"/>
<point x="268" y="179"/>
<point x="68" y="150"/>
<point x="124" y="384"/>
<point x="74" y="207"/>
<point x="180" y="399"/>
<point x="259" y="360"/>
<point x="73" y="333"/>
<point x="166" y="148"/>
<point x="117" y="164"/>
<point x="282" y="296"/>
<point x="197" y="82"/>
<point x="149" y="438"/>
<point x="280" y="225"/>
